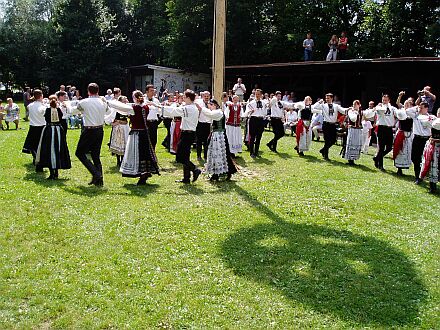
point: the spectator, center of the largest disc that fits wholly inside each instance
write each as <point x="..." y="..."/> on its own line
<point x="239" y="89"/>
<point x="425" y="95"/>
<point x="343" y="46"/>
<point x="109" y="95"/>
<point x="286" y="96"/>
<point x="316" y="125"/>
<point x="292" y="98"/>
<point x="291" y="121"/>
<point x="12" y="113"/>
<point x="308" y="45"/>
<point x="333" y="51"/>
<point x="26" y="101"/>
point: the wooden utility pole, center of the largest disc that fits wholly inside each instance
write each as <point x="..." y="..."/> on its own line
<point x="218" y="51"/>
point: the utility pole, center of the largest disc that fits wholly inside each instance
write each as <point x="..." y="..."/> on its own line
<point x="218" y="51"/>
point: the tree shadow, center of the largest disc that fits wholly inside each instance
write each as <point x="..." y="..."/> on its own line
<point x="357" y="278"/>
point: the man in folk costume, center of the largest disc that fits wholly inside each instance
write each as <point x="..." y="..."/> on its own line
<point x="190" y="119"/>
<point x="94" y="109"/>
<point x="203" y="127"/>
<point x="330" y="112"/>
<point x="257" y="112"/>
<point x="36" y="124"/>
<point x="153" y="115"/>
<point x="175" y="126"/>
<point x="304" y="132"/>
<point x="422" y="123"/>
<point x="233" y="113"/>
<point x="354" y="135"/>
<point x="431" y="157"/>
<point x="277" y="118"/>
<point x="385" y="122"/>
<point x="403" y="141"/>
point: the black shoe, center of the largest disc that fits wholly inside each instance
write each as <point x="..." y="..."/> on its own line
<point x="382" y="169"/>
<point x="418" y="181"/>
<point x="99" y="182"/>
<point x="228" y="177"/>
<point x="301" y="153"/>
<point x="92" y="181"/>
<point x="376" y="162"/>
<point x="51" y="177"/>
<point x="183" y="181"/>
<point x="399" y="172"/>
<point x="142" y="181"/>
<point x="432" y="187"/>
<point x="253" y="156"/>
<point x="296" y="148"/>
<point x="214" y="177"/>
<point x="39" y="169"/>
<point x="351" y="162"/>
<point x="196" y="174"/>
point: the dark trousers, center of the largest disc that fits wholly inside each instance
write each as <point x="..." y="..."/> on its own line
<point x="342" y="53"/>
<point x="329" y="132"/>
<point x="417" y="153"/>
<point x="385" y="141"/>
<point x="278" y="131"/>
<point x="167" y="123"/>
<point x="152" y="132"/>
<point x="183" y="154"/>
<point x="202" y="132"/>
<point x="90" y="141"/>
<point x="256" y="129"/>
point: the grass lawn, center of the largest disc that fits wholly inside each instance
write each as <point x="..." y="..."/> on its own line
<point x="290" y="243"/>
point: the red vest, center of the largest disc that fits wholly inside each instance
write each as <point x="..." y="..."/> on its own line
<point x="234" y="116"/>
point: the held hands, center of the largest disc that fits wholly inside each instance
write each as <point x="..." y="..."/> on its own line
<point x="401" y="93"/>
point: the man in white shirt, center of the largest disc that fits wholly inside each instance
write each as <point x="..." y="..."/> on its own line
<point x="190" y="120"/>
<point x="329" y="111"/>
<point x="94" y="108"/>
<point x="385" y="121"/>
<point x="277" y="119"/>
<point x="203" y="127"/>
<point x="257" y="111"/>
<point x="36" y="125"/>
<point x="153" y="115"/>
<point x="239" y="89"/>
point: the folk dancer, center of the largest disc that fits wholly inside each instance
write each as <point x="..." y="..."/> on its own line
<point x="233" y="113"/>
<point x="52" y="151"/>
<point x="277" y="119"/>
<point x="431" y="157"/>
<point x="203" y="127"/>
<point x="354" y="143"/>
<point x="403" y="141"/>
<point x="385" y="122"/>
<point x="257" y="112"/>
<point x="120" y="132"/>
<point x="303" y="130"/>
<point x="190" y="119"/>
<point x="36" y="124"/>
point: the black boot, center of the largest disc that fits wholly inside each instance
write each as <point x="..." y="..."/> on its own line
<point x="52" y="175"/>
<point x="399" y="172"/>
<point x="214" y="177"/>
<point x="432" y="187"/>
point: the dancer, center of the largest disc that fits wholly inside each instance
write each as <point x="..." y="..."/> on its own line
<point x="203" y="127"/>
<point x="175" y="126"/>
<point x="190" y="119"/>
<point x="233" y="114"/>
<point x="139" y="157"/>
<point x="303" y="131"/>
<point x="119" y="134"/>
<point x="52" y="151"/>
<point x="153" y="115"/>
<point x="277" y="119"/>
<point x="431" y="157"/>
<point x="257" y="111"/>
<point x="353" y="145"/>
<point x="403" y="141"/>
<point x="36" y="124"/>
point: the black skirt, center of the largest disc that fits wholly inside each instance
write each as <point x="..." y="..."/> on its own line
<point x="32" y="139"/>
<point x="52" y="150"/>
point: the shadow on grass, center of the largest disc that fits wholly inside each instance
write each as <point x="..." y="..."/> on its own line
<point x="191" y="188"/>
<point x="41" y="177"/>
<point x="141" y="191"/>
<point x="356" y="278"/>
<point x="89" y="191"/>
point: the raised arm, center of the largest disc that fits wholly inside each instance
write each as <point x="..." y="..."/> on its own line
<point x="212" y="114"/>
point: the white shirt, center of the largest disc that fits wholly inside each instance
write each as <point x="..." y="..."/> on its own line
<point x="203" y="118"/>
<point x="275" y="110"/>
<point x="317" y="120"/>
<point x="153" y="112"/>
<point x="419" y="128"/>
<point x="189" y="114"/>
<point x="292" y="117"/>
<point x="36" y="113"/>
<point x="213" y="114"/>
<point x="256" y="109"/>
<point x="385" y="115"/>
<point x="239" y="89"/>
<point x="94" y="110"/>
<point x="329" y="116"/>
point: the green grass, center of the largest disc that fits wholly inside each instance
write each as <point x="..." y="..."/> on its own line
<point x="290" y="243"/>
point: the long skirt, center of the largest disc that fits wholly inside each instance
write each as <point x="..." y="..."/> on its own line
<point x="403" y="159"/>
<point x="119" y="138"/>
<point x="139" y="157"/>
<point x="430" y="162"/>
<point x="365" y="141"/>
<point x="219" y="160"/>
<point x="32" y="139"/>
<point x="354" y="144"/>
<point x="52" y="149"/>
<point x="304" y="139"/>
<point x="233" y="133"/>
<point x="246" y="131"/>
<point x="174" y="136"/>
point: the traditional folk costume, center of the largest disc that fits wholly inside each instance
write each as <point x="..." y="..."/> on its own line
<point x="385" y="123"/>
<point x="153" y="121"/>
<point x="190" y="119"/>
<point x="52" y="151"/>
<point x="402" y="147"/>
<point x="257" y="111"/>
<point x="277" y="120"/>
<point x="219" y="159"/>
<point x="303" y="131"/>
<point x="233" y="127"/>
<point x="36" y="124"/>
<point x="329" y="128"/>
<point x="354" y="143"/>
<point x="431" y="157"/>
<point x="119" y="136"/>
<point x="203" y="131"/>
<point x="422" y="132"/>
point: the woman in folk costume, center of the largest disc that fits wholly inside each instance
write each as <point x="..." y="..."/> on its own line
<point x="431" y="157"/>
<point x="402" y="147"/>
<point x="120" y="132"/>
<point x="175" y="127"/>
<point x="233" y="112"/>
<point x="139" y="157"/>
<point x="303" y="130"/>
<point x="354" y="141"/>
<point x="219" y="160"/>
<point x="52" y="151"/>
